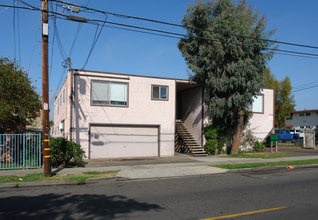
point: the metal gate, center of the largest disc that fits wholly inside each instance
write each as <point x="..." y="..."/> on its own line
<point x="19" y="151"/>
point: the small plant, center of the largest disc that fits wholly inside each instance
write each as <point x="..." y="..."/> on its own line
<point x="247" y="142"/>
<point x="259" y="146"/>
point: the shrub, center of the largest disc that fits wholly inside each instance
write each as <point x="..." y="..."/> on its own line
<point x="65" y="153"/>
<point x="210" y="132"/>
<point x="211" y="147"/>
<point x="215" y="140"/>
<point x="259" y="146"/>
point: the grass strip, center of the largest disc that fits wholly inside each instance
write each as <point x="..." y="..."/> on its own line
<point x="259" y="155"/>
<point x="39" y="177"/>
<point x="268" y="164"/>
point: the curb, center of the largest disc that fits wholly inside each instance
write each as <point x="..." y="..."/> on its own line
<point x="269" y="169"/>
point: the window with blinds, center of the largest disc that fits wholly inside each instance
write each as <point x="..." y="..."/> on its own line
<point x="109" y="93"/>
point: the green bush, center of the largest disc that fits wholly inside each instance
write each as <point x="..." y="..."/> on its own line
<point x="215" y="140"/>
<point x="211" y="147"/>
<point x="259" y="146"/>
<point x="210" y="132"/>
<point x="65" y="153"/>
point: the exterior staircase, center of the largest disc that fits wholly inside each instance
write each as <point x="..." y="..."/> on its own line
<point x="185" y="143"/>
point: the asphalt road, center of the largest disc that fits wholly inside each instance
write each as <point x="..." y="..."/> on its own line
<point x="252" y="195"/>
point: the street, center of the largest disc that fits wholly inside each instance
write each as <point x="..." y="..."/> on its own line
<point x="243" y="195"/>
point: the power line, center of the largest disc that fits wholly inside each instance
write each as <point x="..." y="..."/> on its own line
<point x="163" y="32"/>
<point x="184" y="35"/>
<point x="179" y="25"/>
<point x="295" y="52"/>
<point x="20" y="7"/>
<point x="168" y="33"/>
<point x="305" y="86"/>
<point x="156" y="21"/>
<point x="96" y="37"/>
<point x="120" y="15"/>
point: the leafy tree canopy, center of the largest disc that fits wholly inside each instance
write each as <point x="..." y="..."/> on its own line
<point x="19" y="102"/>
<point x="284" y="100"/>
<point x="226" y="49"/>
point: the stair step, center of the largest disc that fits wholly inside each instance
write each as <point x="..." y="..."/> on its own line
<point x="189" y="144"/>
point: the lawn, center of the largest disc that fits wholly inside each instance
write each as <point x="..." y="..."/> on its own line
<point x="268" y="164"/>
<point x="39" y="177"/>
<point x="260" y="155"/>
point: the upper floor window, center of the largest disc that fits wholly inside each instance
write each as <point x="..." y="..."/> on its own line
<point x="258" y="104"/>
<point x="109" y="93"/>
<point x="159" y="92"/>
<point x="290" y="116"/>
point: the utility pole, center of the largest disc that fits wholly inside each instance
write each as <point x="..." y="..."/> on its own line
<point x="45" y="92"/>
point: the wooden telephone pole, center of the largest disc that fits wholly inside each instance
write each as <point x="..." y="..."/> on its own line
<point x="45" y="92"/>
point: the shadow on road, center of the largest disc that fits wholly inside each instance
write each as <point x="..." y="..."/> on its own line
<point x="56" y="206"/>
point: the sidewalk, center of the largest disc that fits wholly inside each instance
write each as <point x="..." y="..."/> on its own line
<point x="195" y="166"/>
<point x="178" y="166"/>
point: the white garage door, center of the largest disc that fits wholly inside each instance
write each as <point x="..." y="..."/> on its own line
<point x="123" y="142"/>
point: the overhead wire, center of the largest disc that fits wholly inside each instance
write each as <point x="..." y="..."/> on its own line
<point x="14" y="34"/>
<point x="56" y="36"/>
<point x="18" y="34"/>
<point x="169" y="33"/>
<point x="120" y="15"/>
<point x="179" y="25"/>
<point x="96" y="37"/>
<point x="305" y="86"/>
<point x="152" y="31"/>
<point x="178" y="35"/>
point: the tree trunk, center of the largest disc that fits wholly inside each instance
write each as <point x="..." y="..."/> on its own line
<point x="238" y="132"/>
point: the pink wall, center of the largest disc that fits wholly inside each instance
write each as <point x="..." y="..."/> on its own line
<point x="261" y="124"/>
<point x="140" y="110"/>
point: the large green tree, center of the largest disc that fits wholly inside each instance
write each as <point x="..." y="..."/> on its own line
<point x="19" y="102"/>
<point x="227" y="51"/>
<point x="284" y="100"/>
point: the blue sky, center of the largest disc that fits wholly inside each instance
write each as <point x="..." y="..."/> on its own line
<point x="122" y="51"/>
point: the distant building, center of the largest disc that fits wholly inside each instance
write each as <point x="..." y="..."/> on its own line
<point x="36" y="124"/>
<point x="304" y="119"/>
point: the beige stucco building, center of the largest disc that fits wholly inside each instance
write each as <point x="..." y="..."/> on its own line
<point x="115" y="115"/>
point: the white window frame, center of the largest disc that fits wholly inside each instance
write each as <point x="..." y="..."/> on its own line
<point x="164" y="96"/>
<point x="258" y="104"/>
<point x="109" y="96"/>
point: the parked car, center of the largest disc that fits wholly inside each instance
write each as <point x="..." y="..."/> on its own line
<point x="285" y="135"/>
<point x="297" y="131"/>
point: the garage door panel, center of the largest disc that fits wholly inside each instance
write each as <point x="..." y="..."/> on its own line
<point x="119" y="142"/>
